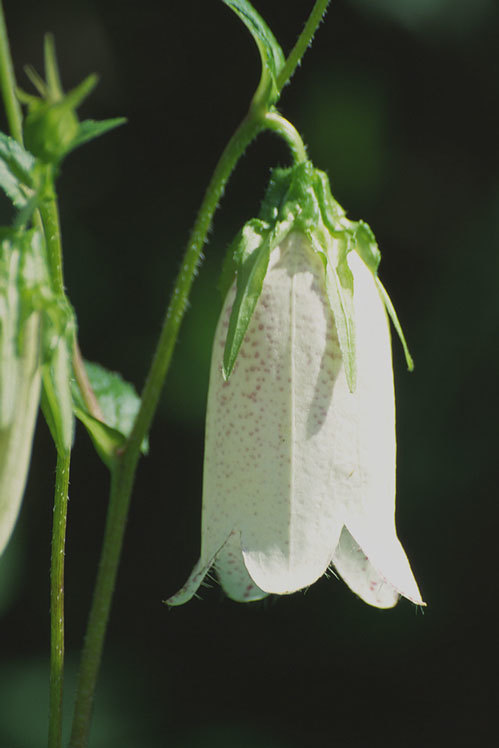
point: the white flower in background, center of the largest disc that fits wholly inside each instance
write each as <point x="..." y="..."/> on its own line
<point x="28" y="314"/>
<point x="16" y="438"/>
<point x="299" y="470"/>
<point x="20" y="372"/>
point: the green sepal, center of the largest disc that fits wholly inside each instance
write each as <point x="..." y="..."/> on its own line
<point x="395" y="321"/>
<point x="250" y="256"/>
<point x="333" y="251"/>
<point x="119" y="404"/>
<point x="251" y="259"/>
<point x="299" y="199"/>
<point x="271" y="54"/>
<point x="366" y="245"/>
<point x="249" y="238"/>
<point x="56" y="396"/>
<point x="17" y="168"/>
<point x="90" y="129"/>
<point x="302" y="191"/>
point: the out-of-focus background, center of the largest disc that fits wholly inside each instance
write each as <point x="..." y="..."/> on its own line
<point x="398" y="100"/>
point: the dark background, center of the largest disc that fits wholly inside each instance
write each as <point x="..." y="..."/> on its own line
<point x="398" y="100"/>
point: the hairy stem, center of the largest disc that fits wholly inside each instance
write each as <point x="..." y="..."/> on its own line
<point x="49" y="213"/>
<point x="125" y="466"/>
<point x="57" y="600"/>
<point x="278" y="124"/>
<point x="303" y="41"/>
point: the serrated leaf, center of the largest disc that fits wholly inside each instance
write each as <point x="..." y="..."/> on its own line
<point x="271" y="54"/>
<point x="90" y="129"/>
<point x="119" y="404"/>
<point x="16" y="170"/>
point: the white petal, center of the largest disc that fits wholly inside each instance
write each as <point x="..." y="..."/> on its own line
<point x="192" y="585"/>
<point x="366" y="431"/>
<point x="353" y="565"/>
<point x="270" y="429"/>
<point x="16" y="439"/>
<point x="231" y="572"/>
<point x="233" y="575"/>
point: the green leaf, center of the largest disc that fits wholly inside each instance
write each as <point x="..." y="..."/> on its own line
<point x="106" y="440"/>
<point x="271" y="54"/>
<point x="119" y="404"/>
<point x="16" y="170"/>
<point x="90" y="129"/>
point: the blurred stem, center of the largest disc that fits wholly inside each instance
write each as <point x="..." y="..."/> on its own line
<point x="83" y="382"/>
<point x="8" y="84"/>
<point x="51" y="225"/>
<point x="303" y="41"/>
<point x="57" y="600"/>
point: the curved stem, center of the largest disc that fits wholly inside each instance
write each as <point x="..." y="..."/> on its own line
<point x="303" y="41"/>
<point x="278" y="124"/>
<point x="125" y="466"/>
<point x="123" y="473"/>
<point x="8" y="84"/>
<point x="57" y="600"/>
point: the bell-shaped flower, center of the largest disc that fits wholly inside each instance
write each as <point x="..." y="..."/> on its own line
<point x="299" y="471"/>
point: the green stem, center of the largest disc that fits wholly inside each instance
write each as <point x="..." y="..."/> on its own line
<point x="126" y="463"/>
<point x="51" y="224"/>
<point x="57" y="600"/>
<point x="303" y="41"/>
<point x="277" y="123"/>
<point x="244" y="135"/>
<point x="49" y="213"/>
<point x="8" y="84"/>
